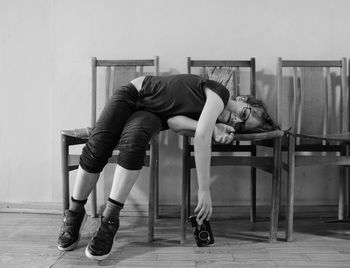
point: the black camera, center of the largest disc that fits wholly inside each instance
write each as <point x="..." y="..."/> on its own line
<point x="202" y="233"/>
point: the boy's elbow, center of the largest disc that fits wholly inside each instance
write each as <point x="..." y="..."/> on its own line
<point x="176" y="130"/>
<point x="173" y="126"/>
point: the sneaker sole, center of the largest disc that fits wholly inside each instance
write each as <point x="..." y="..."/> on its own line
<point x="95" y="258"/>
<point x="74" y="245"/>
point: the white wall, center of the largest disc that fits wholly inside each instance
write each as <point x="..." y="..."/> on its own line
<point x="45" y="51"/>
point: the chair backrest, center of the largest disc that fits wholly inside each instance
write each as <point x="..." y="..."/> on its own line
<point x="314" y="95"/>
<point x="228" y="72"/>
<point x="115" y="74"/>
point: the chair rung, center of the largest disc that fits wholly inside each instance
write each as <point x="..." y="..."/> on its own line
<point x="317" y="148"/>
<point x="301" y="160"/>
<point x="264" y="163"/>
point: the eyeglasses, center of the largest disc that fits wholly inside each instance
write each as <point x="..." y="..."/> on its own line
<point x="245" y="113"/>
<point x="244" y="116"/>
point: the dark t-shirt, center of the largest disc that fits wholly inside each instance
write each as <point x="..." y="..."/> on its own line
<point x="183" y="94"/>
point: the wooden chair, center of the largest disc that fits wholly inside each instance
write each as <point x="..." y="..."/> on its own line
<point x="115" y="71"/>
<point x="320" y="126"/>
<point x="270" y="164"/>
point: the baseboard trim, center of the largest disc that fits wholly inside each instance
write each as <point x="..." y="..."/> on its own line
<point x="173" y="211"/>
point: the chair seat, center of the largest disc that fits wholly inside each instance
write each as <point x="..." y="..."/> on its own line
<point x="328" y="137"/>
<point x="259" y="136"/>
<point x="82" y="133"/>
<point x="246" y="137"/>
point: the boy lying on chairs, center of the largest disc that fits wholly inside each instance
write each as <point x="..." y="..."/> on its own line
<point x="132" y="116"/>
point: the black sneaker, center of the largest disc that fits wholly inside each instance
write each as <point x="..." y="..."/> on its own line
<point x="69" y="237"/>
<point x="101" y="243"/>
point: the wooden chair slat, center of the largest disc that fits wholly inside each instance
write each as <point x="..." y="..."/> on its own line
<point x="345" y="98"/>
<point x="237" y="81"/>
<point x="141" y="70"/>
<point x="93" y="90"/>
<point x="220" y="63"/>
<point x="296" y="92"/>
<point x="252" y="77"/>
<point x="328" y="88"/>
<point x="311" y="63"/>
<point x="279" y="92"/>
<point x="121" y="63"/>
<point x="108" y="82"/>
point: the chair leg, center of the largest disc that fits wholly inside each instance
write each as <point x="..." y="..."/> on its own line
<point x="347" y="192"/>
<point x="151" y="209"/>
<point x="188" y="194"/>
<point x="347" y="212"/>
<point x="253" y="195"/>
<point x="290" y="188"/>
<point x="276" y="181"/>
<point x="341" y="196"/>
<point x="184" y="207"/>
<point x="156" y="186"/>
<point x="152" y="188"/>
<point x="341" y="188"/>
<point x="253" y="191"/>
<point x="156" y="176"/>
<point x="65" y="172"/>
<point x="185" y="183"/>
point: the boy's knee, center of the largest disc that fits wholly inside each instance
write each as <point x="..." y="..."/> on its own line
<point x="97" y="150"/>
<point x="137" y="133"/>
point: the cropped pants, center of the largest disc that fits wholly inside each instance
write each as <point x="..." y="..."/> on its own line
<point x="120" y="125"/>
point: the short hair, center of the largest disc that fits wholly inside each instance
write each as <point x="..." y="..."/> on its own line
<point x="259" y="111"/>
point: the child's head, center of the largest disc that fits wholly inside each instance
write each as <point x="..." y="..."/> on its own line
<point x="247" y="114"/>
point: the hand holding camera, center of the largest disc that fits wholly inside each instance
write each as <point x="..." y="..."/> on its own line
<point x="204" y="207"/>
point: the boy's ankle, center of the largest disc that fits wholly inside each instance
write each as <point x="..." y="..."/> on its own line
<point x="77" y="205"/>
<point x="112" y="210"/>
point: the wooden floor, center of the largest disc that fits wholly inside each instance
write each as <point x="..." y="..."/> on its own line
<point x="29" y="240"/>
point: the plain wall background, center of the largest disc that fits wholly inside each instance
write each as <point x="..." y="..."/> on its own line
<point x="45" y="52"/>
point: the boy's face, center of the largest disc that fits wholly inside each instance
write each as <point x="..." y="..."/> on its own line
<point x="238" y="113"/>
<point x="250" y="125"/>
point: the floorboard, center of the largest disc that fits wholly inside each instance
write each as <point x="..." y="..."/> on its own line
<point x="29" y="240"/>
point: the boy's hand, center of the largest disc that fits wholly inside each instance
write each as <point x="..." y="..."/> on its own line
<point x="204" y="207"/>
<point x="223" y="133"/>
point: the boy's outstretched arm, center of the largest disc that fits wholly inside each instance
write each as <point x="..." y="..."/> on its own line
<point x="222" y="133"/>
<point x="202" y="152"/>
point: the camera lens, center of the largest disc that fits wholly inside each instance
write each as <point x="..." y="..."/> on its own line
<point x="203" y="235"/>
